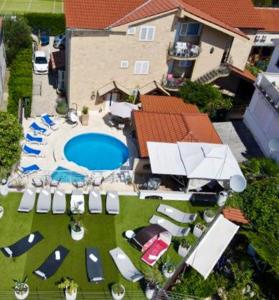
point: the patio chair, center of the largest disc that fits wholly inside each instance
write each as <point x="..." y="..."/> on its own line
<point x="77" y="202"/>
<point x="78" y="184"/>
<point x="44" y="202"/>
<point x="28" y="200"/>
<point x="34" y="139"/>
<point x="125" y="265"/>
<point x="38" y="129"/>
<point x="97" y="181"/>
<point x="29" y="169"/>
<point x="52" y="263"/>
<point x="173" y="229"/>
<point x="54" y="183"/>
<point x="37" y="182"/>
<point x="31" y="151"/>
<point x="47" y="120"/>
<point x="95" y="202"/>
<point x="112" y="203"/>
<point x="59" y="202"/>
<point x="23" y="245"/>
<point x="176" y="214"/>
<point x="94" y="265"/>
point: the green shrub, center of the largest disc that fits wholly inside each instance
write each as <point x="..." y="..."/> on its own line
<point x="20" y="82"/>
<point x="62" y="107"/>
<point x="54" y="24"/>
<point x="10" y="135"/>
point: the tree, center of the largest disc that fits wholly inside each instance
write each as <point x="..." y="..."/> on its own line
<point x="17" y="36"/>
<point x="10" y="135"/>
<point x="208" y="98"/>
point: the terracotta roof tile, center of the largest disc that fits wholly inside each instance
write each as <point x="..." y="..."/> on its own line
<point x="270" y="18"/>
<point x="166" y="104"/>
<point x="235" y="215"/>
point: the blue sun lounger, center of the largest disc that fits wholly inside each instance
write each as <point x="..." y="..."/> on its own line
<point x="34" y="139"/>
<point x="47" y="120"/>
<point x="29" y="169"/>
<point x="31" y="151"/>
<point x="38" y="129"/>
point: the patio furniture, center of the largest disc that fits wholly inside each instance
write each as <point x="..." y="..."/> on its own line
<point x="176" y="214"/>
<point x="31" y="151"/>
<point x="47" y="120"/>
<point x="37" y="182"/>
<point x="52" y="263"/>
<point x="172" y="228"/>
<point x="122" y="109"/>
<point x="78" y="184"/>
<point x="34" y="139"/>
<point x="44" y="201"/>
<point x="94" y="265"/>
<point x="23" y="245"/>
<point x="155" y="251"/>
<point x="29" y="169"/>
<point x="54" y="183"/>
<point x="97" y="181"/>
<point x="125" y="265"/>
<point x="28" y="200"/>
<point x="95" y="202"/>
<point x="77" y="202"/>
<point x="112" y="203"/>
<point x="38" y="129"/>
<point x="59" y="202"/>
<point x="153" y="183"/>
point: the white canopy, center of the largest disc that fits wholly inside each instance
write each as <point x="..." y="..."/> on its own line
<point x="194" y="160"/>
<point x="122" y="109"/>
<point x="212" y="245"/>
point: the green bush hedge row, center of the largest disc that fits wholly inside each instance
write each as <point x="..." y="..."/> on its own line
<point x="20" y="81"/>
<point x="54" y="24"/>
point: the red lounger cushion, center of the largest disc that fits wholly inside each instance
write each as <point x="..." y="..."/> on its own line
<point x="155" y="251"/>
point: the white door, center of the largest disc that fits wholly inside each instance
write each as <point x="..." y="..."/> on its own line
<point x="110" y="99"/>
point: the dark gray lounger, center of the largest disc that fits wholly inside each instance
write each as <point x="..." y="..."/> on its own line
<point x="23" y="245"/>
<point x="52" y="263"/>
<point x="94" y="265"/>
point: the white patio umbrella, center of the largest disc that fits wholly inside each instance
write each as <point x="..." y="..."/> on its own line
<point x="122" y="109"/>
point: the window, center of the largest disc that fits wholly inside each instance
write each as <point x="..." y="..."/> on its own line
<point x="132" y="30"/>
<point x="190" y="29"/>
<point x="185" y="64"/>
<point x="124" y="64"/>
<point x="147" y="33"/>
<point x="141" y="67"/>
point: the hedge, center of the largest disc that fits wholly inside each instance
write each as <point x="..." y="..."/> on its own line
<point x="20" y="81"/>
<point x="54" y="24"/>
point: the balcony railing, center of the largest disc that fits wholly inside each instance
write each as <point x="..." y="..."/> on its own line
<point x="184" y="51"/>
<point x="172" y="84"/>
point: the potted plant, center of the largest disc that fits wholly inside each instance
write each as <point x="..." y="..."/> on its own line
<point x="198" y="230"/>
<point x="84" y="116"/>
<point x="168" y="269"/>
<point x="69" y="286"/>
<point x="21" y="288"/>
<point x="153" y="279"/>
<point x="1" y="211"/>
<point x="77" y="229"/>
<point x="209" y="215"/>
<point x="183" y="248"/>
<point x="117" y="291"/>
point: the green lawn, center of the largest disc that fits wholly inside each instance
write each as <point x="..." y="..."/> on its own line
<point x="23" y="6"/>
<point x="103" y="231"/>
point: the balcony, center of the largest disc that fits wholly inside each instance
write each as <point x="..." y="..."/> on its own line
<point x="268" y="86"/>
<point x="183" y="51"/>
<point x="172" y="84"/>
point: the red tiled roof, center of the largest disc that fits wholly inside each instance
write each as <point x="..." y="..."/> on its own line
<point x="270" y="18"/>
<point x="166" y="104"/>
<point x="171" y="128"/>
<point x="235" y="215"/>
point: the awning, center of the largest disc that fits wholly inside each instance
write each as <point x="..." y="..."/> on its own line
<point x="212" y="246"/>
<point x="151" y="86"/>
<point x="112" y="86"/>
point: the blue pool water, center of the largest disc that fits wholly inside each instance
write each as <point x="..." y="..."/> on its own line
<point x="66" y="175"/>
<point x="96" y="151"/>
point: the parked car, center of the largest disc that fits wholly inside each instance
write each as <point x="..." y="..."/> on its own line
<point x="44" y="38"/>
<point x="59" y="41"/>
<point x="40" y="62"/>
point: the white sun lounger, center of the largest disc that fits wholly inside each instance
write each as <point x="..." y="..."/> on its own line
<point x="44" y="202"/>
<point x="59" y="202"/>
<point x="173" y="229"/>
<point x="95" y="202"/>
<point x="112" y="203"/>
<point x="176" y="214"/>
<point x="77" y="202"/>
<point x="125" y="265"/>
<point x="28" y="200"/>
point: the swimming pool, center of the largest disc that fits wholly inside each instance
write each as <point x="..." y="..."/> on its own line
<point x="67" y="176"/>
<point x="96" y="151"/>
